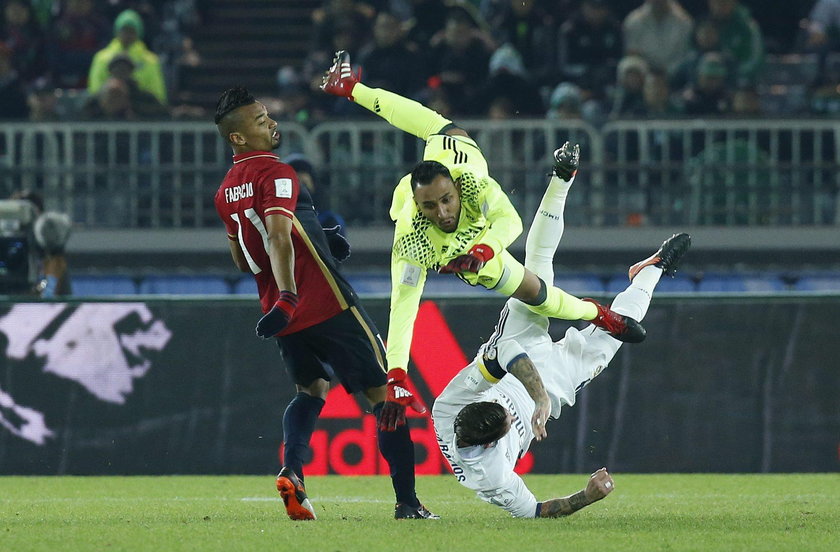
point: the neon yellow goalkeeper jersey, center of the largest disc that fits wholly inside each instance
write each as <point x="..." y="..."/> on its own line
<point x="487" y="217"/>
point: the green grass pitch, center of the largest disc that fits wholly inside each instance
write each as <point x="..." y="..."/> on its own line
<point x="795" y="512"/>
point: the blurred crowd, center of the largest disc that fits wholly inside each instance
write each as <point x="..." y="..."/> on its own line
<point x="562" y="58"/>
<point x="93" y="59"/>
<point x="586" y="59"/>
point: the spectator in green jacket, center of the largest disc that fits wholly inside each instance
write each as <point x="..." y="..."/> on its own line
<point x="740" y="38"/>
<point x="128" y="31"/>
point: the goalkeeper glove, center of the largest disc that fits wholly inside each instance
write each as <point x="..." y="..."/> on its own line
<point x="566" y="161"/>
<point x="397" y="398"/>
<point x="339" y="246"/>
<point x="473" y="261"/>
<point x="278" y="317"/>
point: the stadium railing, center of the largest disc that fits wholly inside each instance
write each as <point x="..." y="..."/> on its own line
<point x="657" y="173"/>
<point x="378" y="283"/>
<point x="725" y="173"/>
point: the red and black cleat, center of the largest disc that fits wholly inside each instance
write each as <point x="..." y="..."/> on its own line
<point x="621" y="327"/>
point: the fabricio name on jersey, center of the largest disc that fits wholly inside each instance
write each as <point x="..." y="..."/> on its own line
<point x="235" y="193"/>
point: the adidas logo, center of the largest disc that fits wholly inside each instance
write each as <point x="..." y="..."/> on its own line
<point x="376" y="105"/>
<point x="401" y="393"/>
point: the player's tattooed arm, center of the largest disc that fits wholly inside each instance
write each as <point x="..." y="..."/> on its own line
<point x="600" y="485"/>
<point x="558" y="507"/>
<point x="524" y="370"/>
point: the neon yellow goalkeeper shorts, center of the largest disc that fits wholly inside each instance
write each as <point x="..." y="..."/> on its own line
<point x="502" y="274"/>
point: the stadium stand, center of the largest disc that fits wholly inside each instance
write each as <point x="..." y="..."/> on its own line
<point x="104" y="285"/>
<point x="717" y="282"/>
<point x="818" y="282"/>
<point x="245" y="286"/>
<point x="379" y="283"/>
<point x="259" y="53"/>
<point x="680" y="283"/>
<point x="185" y="285"/>
<point x="771" y="168"/>
<point x="580" y="284"/>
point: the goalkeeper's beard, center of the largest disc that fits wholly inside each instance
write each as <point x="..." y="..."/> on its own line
<point x="450" y="228"/>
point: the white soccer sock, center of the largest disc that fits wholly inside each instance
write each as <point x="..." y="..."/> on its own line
<point x="635" y="300"/>
<point x="547" y="229"/>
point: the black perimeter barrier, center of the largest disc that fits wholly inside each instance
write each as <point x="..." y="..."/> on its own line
<point x="184" y="386"/>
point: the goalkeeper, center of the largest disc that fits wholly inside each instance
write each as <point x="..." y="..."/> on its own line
<point x="451" y="216"/>
<point x="485" y="419"/>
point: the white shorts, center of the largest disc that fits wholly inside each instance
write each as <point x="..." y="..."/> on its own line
<point x="565" y="366"/>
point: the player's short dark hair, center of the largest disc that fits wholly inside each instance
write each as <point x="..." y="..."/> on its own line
<point x="231" y="99"/>
<point x="481" y="423"/>
<point x="426" y="171"/>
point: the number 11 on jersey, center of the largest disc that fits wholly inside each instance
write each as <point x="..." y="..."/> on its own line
<point x="251" y="215"/>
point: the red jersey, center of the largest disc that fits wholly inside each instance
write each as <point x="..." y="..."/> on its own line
<point x="258" y="185"/>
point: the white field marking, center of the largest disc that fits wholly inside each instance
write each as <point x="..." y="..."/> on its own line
<point x="340" y="499"/>
<point x="120" y="499"/>
<point x="345" y="499"/>
<point x="321" y="499"/>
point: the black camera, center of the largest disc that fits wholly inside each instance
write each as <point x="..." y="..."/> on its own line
<point x="18" y="253"/>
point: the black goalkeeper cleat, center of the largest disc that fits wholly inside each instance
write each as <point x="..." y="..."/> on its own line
<point x="566" y="161"/>
<point x="667" y="257"/>
<point x="404" y="511"/>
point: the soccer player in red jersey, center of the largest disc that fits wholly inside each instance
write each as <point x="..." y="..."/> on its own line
<point x="309" y="307"/>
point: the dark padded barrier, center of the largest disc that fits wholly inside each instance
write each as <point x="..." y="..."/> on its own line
<point x="732" y="384"/>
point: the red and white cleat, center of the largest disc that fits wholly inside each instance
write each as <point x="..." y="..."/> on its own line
<point x="339" y="80"/>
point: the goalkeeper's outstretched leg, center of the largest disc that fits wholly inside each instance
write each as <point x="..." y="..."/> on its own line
<point x="535" y="287"/>
<point x="403" y="113"/>
<point x="446" y="142"/>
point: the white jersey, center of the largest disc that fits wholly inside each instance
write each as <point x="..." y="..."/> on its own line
<point x="488" y="471"/>
<point x="564" y="367"/>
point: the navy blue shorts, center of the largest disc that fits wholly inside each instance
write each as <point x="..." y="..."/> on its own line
<point x="348" y="342"/>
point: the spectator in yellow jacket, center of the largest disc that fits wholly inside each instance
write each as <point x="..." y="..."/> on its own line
<point x="128" y="34"/>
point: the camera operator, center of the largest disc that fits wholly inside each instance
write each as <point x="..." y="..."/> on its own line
<point x="51" y="231"/>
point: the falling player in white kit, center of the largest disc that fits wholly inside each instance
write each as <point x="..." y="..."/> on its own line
<point x="485" y="420"/>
